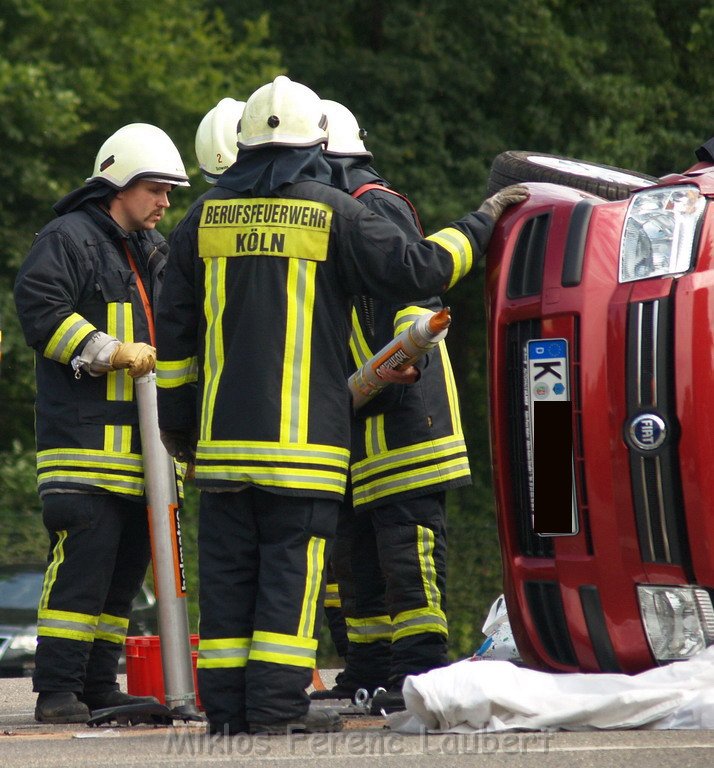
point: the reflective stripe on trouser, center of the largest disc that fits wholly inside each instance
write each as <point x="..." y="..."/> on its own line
<point x="397" y="569"/>
<point x="99" y="553"/>
<point x="261" y="575"/>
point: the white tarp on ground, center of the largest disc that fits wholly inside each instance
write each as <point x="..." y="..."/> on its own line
<point x="486" y="695"/>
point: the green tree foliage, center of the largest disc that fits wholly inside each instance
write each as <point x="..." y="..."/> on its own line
<point x="442" y="86"/>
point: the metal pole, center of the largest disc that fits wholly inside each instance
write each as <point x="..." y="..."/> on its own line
<point x="167" y="553"/>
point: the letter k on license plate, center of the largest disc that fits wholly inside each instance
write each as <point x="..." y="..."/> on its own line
<point x="549" y="437"/>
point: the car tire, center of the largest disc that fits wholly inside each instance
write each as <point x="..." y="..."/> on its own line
<point x="609" y="182"/>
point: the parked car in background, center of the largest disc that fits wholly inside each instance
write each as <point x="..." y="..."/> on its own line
<point x="600" y="310"/>
<point x="20" y="588"/>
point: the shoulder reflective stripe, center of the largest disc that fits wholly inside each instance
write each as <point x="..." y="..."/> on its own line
<point x="73" y="626"/>
<point x="295" y="391"/>
<point x="265" y="227"/>
<point x="213" y="306"/>
<point x="223" y="653"/>
<point x="283" y="649"/>
<point x="419" y="621"/>
<point x="361" y="351"/>
<point x="315" y="565"/>
<point x="65" y="339"/>
<point x="51" y="572"/>
<point x="175" y="373"/>
<point x="427" y="567"/>
<point x="368" y="630"/>
<point x="459" y="246"/>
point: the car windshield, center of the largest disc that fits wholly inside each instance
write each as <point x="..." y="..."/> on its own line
<point x="20" y="590"/>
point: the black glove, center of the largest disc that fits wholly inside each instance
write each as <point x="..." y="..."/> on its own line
<point x="495" y="205"/>
<point x="181" y="444"/>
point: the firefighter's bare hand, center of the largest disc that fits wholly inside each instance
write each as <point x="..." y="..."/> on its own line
<point x="495" y="205"/>
<point x="180" y="444"/>
<point x="138" y="357"/>
<point x="408" y="375"/>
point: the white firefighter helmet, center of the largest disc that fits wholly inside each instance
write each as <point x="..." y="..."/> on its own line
<point x="216" y="138"/>
<point x="282" y="113"/>
<point x="344" y="136"/>
<point x="139" y="151"/>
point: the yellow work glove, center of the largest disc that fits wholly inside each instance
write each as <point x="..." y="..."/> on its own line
<point x="138" y="357"/>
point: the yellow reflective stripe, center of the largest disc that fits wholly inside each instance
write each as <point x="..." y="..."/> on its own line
<point x="315" y="565"/>
<point x="70" y="332"/>
<point x="176" y="373"/>
<point x="332" y="596"/>
<point x="409" y="455"/>
<point x="427" y="567"/>
<point x="213" y="306"/>
<point x="411" y="479"/>
<point x="451" y="391"/>
<point x="459" y="248"/>
<point x="112" y="628"/>
<point x="406" y="317"/>
<point x="266" y="451"/>
<point x="120" y="325"/>
<point x="369" y="629"/>
<point x="90" y="467"/>
<point x="117" y="438"/>
<point x="66" y="624"/>
<point x="375" y="436"/>
<point x="223" y="653"/>
<point x="294" y="397"/>
<point x="419" y="621"/>
<point x="283" y="649"/>
<point x="51" y="572"/>
<point x="359" y="347"/>
<point x="312" y="480"/>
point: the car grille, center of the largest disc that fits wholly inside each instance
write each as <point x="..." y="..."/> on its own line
<point x="546" y="610"/>
<point x="655" y="476"/>
<point x="529" y="542"/>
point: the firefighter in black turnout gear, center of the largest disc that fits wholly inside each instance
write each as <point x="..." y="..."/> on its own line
<point x="84" y="297"/>
<point x="408" y="448"/>
<point x="253" y="330"/>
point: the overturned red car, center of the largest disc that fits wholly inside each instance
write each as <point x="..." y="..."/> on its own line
<point x="600" y="310"/>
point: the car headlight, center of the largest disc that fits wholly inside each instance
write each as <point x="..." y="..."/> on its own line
<point x="679" y="621"/>
<point x="659" y="233"/>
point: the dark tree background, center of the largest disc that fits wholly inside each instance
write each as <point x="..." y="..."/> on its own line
<point x="441" y="87"/>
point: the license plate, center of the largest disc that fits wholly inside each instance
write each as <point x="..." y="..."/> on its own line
<point x="549" y="438"/>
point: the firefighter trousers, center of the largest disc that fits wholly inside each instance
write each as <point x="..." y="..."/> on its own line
<point x="261" y="561"/>
<point x="98" y="556"/>
<point x="390" y="564"/>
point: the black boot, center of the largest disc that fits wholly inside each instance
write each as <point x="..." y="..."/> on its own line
<point x="315" y="720"/>
<point x="113" y="698"/>
<point x="60" y="707"/>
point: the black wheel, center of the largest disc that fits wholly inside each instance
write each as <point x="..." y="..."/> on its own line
<point x="605" y="181"/>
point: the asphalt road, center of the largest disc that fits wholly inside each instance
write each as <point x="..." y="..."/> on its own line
<point x="364" y="740"/>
